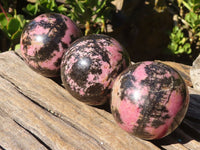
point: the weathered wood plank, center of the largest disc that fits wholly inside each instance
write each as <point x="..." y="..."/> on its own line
<point x="52" y="116"/>
<point x="47" y="114"/>
<point x="13" y="137"/>
<point x="186" y="140"/>
<point x="39" y="122"/>
<point x="178" y="140"/>
<point x="194" y="107"/>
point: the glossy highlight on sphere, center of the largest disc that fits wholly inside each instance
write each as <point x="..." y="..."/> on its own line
<point x="45" y="39"/>
<point x="90" y="66"/>
<point x="149" y="100"/>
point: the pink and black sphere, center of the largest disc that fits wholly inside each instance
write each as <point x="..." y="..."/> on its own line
<point x="90" y="66"/>
<point x="149" y="100"/>
<point x="45" y="39"/>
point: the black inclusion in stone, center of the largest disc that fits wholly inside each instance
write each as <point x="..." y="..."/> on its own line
<point x="44" y="53"/>
<point x="159" y="121"/>
<point x="31" y="26"/>
<point x="28" y="28"/>
<point x="126" y="83"/>
<point x="96" y="70"/>
<point x="26" y="41"/>
<point x="117" y="117"/>
<point x="101" y="51"/>
<point x="128" y="79"/>
<point x="95" y="39"/>
<point x="80" y="71"/>
<point x="153" y="106"/>
<point x="95" y="89"/>
<point x="58" y="62"/>
<point x="65" y="19"/>
<point x="45" y="24"/>
<point x="73" y="38"/>
<point x="64" y="45"/>
<point x="58" y="28"/>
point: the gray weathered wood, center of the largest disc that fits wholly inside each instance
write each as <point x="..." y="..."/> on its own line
<point x="49" y="114"/>
<point x="38" y="113"/>
<point x="195" y="73"/>
<point x="194" y="106"/>
<point x="13" y="135"/>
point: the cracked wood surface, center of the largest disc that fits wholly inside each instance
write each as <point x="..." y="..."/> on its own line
<point x="38" y="113"/>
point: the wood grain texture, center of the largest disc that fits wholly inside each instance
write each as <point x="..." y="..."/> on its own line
<point x="13" y="136"/>
<point x="38" y="113"/>
<point x="51" y="116"/>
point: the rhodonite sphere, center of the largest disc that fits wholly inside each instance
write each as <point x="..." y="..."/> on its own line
<point x="90" y="66"/>
<point x="149" y="100"/>
<point x="45" y="39"/>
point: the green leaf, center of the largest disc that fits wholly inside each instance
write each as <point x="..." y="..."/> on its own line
<point x="187" y="48"/>
<point x="52" y="5"/>
<point x="197" y="34"/>
<point x="16" y="35"/>
<point x="62" y="8"/>
<point x="49" y="5"/>
<point x="175" y="29"/>
<point x="180" y="50"/>
<point x="179" y="2"/>
<point x="173" y="47"/>
<point x="187" y="5"/>
<point x="101" y="6"/>
<point x="197" y="22"/>
<point x="179" y="34"/>
<point x="191" y="18"/>
<point x="187" y="45"/>
<point x="80" y="7"/>
<point x="196" y="7"/>
<point x="3" y="20"/>
<point x="13" y="25"/>
<point x="32" y="9"/>
<point x="21" y="19"/>
<point x="196" y="1"/>
<point x="182" y="41"/>
<point x="17" y="46"/>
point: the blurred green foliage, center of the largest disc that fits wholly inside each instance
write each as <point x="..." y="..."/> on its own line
<point x="90" y="15"/>
<point x="12" y="27"/>
<point x="186" y="32"/>
<point x="44" y="6"/>
<point x="93" y="14"/>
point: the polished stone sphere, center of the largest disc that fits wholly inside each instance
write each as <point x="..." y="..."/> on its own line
<point x="149" y="100"/>
<point x="45" y="39"/>
<point x="90" y="66"/>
